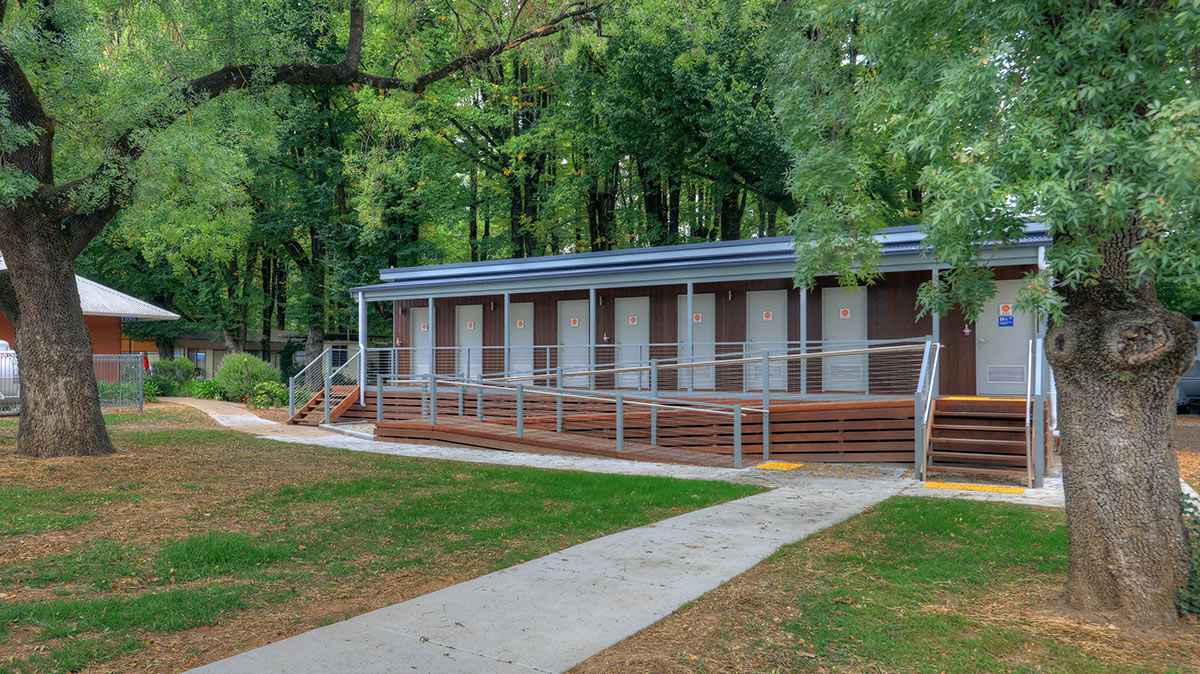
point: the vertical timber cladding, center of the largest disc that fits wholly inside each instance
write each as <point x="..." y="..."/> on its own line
<point x="956" y="372"/>
<point x="664" y="332"/>
<point x="891" y="314"/>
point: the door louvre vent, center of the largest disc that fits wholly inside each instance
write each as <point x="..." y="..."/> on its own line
<point x="845" y="372"/>
<point x="1006" y="374"/>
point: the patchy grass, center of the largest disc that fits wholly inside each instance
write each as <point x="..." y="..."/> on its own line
<point x="914" y="585"/>
<point x="194" y="543"/>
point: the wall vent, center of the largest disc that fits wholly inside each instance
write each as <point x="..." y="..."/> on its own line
<point x="1006" y="374"/>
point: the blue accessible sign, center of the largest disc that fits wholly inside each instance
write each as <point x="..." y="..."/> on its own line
<point x="1006" y="321"/>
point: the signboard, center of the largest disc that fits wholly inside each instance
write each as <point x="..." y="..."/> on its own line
<point x="574" y="322"/>
<point x="768" y="316"/>
<point x="129" y="319"/>
<point x="470" y="325"/>
<point x="424" y="327"/>
<point x="844" y="314"/>
<point x="521" y="324"/>
<point x="697" y="318"/>
<point x="633" y="320"/>
<point x="1006" y="310"/>
<point x="1006" y="321"/>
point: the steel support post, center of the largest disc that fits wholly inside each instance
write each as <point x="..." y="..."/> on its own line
<point x="379" y="399"/>
<point x="654" y="394"/>
<point x="328" y="389"/>
<point x="433" y="399"/>
<point x="737" y="436"/>
<point x="766" y="404"/>
<point x="520" y="410"/>
<point x="620" y="423"/>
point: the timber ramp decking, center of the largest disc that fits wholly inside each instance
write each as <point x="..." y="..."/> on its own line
<point x="825" y="431"/>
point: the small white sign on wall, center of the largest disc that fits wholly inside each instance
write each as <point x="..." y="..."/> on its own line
<point x="697" y="318"/>
<point x="470" y="325"/>
<point x="1006" y="309"/>
<point x="574" y="322"/>
<point x="424" y="327"/>
<point x="521" y="324"/>
<point x="633" y="320"/>
<point x="844" y="314"/>
<point x="768" y="315"/>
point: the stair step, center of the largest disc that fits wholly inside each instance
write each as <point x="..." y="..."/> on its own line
<point x="968" y="427"/>
<point x="976" y="455"/>
<point x="987" y="415"/>
<point x="977" y="469"/>
<point x="979" y="441"/>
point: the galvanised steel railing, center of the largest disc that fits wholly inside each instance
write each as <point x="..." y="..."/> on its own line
<point x="720" y="366"/>
<point x="529" y="405"/>
<point x="305" y="384"/>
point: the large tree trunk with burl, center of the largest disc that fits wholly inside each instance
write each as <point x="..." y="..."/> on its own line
<point x="60" y="406"/>
<point x="1117" y="357"/>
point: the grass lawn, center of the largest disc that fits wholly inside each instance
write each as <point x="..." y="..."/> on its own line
<point x="913" y="585"/>
<point x="194" y="543"/>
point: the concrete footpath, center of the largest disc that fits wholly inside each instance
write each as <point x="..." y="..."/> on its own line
<point x="551" y="613"/>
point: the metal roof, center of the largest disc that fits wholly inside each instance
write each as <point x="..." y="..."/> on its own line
<point x="747" y="259"/>
<point x="100" y="300"/>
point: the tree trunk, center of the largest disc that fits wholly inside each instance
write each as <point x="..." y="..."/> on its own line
<point x="166" y="349"/>
<point x="652" y="201"/>
<point x="1117" y="357"/>
<point x="673" y="189"/>
<point x="314" y="342"/>
<point x="60" y="405"/>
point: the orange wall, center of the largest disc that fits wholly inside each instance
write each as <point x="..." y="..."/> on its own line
<point x="105" y="330"/>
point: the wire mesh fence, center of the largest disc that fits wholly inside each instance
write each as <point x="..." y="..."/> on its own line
<point x="120" y="381"/>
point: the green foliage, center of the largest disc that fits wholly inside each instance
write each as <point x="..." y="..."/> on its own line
<point x="151" y="391"/>
<point x="14" y="183"/>
<point x="1189" y="596"/>
<point x="208" y="390"/>
<point x="1180" y="297"/>
<point x="1082" y="116"/>
<point x="270" y="394"/>
<point x="215" y="553"/>
<point x="116" y="392"/>
<point x="171" y="374"/>
<point x="239" y="373"/>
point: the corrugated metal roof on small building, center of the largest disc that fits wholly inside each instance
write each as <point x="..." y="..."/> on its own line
<point x="100" y="300"/>
<point x="772" y="257"/>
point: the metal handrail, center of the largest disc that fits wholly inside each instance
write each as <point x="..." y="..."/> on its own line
<point x="927" y="416"/>
<point x="739" y="360"/>
<point x="1029" y="416"/>
<point x="599" y="396"/>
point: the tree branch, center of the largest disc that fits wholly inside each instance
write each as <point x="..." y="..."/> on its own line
<point x="58" y="201"/>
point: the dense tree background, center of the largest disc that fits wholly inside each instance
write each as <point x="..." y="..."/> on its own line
<point x="267" y="208"/>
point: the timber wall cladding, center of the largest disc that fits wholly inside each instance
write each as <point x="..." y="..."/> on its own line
<point x="105" y="332"/>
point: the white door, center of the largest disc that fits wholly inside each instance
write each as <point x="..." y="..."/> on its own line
<point x="704" y="339"/>
<point x="766" y="328"/>
<point x="1002" y="337"/>
<point x="632" y="336"/>
<point x="520" y="338"/>
<point x="844" y="327"/>
<point x="418" y="338"/>
<point x="468" y="337"/>
<point x="573" y="327"/>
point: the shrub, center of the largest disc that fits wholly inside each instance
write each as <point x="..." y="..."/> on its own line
<point x="170" y="374"/>
<point x="150" y="391"/>
<point x="269" y="394"/>
<point x="187" y="389"/>
<point x="207" y="390"/>
<point x="240" y="372"/>
<point x="117" y="390"/>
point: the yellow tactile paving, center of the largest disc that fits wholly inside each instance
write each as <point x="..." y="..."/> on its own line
<point x="975" y="487"/>
<point x="779" y="465"/>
